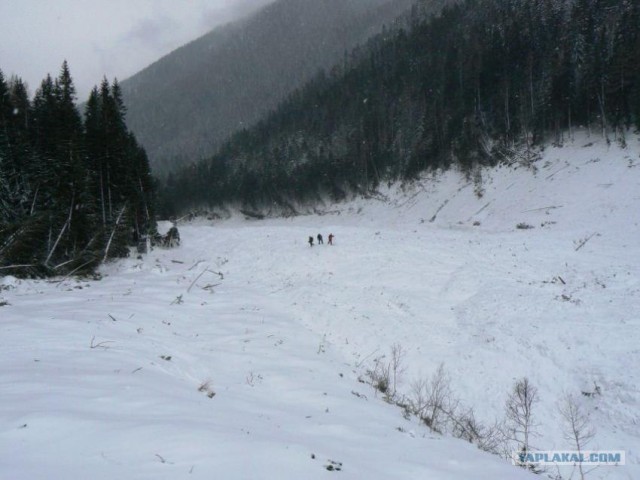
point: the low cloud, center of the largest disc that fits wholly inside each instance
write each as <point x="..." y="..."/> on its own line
<point x="150" y="32"/>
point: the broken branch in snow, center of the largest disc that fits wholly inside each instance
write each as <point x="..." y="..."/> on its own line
<point x="99" y="345"/>
<point x="16" y="266"/>
<point x="557" y="171"/>
<point x="197" y="278"/>
<point x="202" y="273"/>
<point x="551" y="207"/>
<point x="581" y="243"/>
<point x="74" y="271"/>
<point x="195" y="264"/>
<point x="162" y="460"/>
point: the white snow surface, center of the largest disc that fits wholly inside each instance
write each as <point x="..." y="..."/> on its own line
<point x="238" y="355"/>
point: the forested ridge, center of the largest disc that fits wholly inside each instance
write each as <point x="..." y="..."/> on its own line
<point x="185" y="105"/>
<point x="468" y="87"/>
<point x="74" y="191"/>
<point x="473" y="85"/>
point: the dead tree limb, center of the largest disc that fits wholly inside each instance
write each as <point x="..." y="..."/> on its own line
<point x="99" y="345"/>
<point x="113" y="232"/>
<point x="582" y="242"/>
<point x="197" y="278"/>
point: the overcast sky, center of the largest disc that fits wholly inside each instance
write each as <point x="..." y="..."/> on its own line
<point x="116" y="38"/>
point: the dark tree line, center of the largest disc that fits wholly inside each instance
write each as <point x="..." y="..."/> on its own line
<point x="74" y="191"/>
<point x="465" y="87"/>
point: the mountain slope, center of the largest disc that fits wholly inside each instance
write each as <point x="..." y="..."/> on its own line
<point x="471" y="87"/>
<point x="184" y="105"/>
<point x="115" y="377"/>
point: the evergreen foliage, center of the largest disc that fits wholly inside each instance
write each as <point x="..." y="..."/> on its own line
<point x="185" y="105"/>
<point x="72" y="193"/>
<point x="464" y="88"/>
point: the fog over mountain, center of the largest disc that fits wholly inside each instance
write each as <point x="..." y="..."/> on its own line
<point x="185" y="104"/>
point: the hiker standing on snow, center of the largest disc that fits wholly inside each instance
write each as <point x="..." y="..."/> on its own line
<point x="311" y="241"/>
<point x="331" y="239"/>
<point x="320" y="242"/>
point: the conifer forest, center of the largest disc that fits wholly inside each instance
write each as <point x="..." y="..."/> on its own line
<point x="75" y="190"/>
<point x="470" y="86"/>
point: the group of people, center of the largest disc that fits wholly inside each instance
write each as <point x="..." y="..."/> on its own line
<point x="320" y="241"/>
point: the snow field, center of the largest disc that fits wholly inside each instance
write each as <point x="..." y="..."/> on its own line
<point x="238" y="354"/>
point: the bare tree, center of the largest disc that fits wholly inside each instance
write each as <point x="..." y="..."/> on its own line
<point x="433" y="400"/>
<point x="397" y="366"/>
<point x="577" y="427"/>
<point x="519" y="413"/>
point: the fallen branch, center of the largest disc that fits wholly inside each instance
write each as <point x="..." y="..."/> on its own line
<point x="99" y="345"/>
<point x="16" y="266"/>
<point x="582" y="242"/>
<point x="195" y="264"/>
<point x="433" y="219"/>
<point x="543" y="208"/>
<point x="485" y="206"/>
<point x="197" y="278"/>
<point x="74" y="271"/>
<point x="557" y="171"/>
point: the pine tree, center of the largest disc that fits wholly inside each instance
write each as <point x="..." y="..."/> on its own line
<point x="5" y="155"/>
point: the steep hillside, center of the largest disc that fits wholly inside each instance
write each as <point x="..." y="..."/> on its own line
<point x="481" y="81"/>
<point x="184" y="105"/>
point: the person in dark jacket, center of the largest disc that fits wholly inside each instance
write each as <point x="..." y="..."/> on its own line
<point x="311" y="241"/>
<point x="320" y="242"/>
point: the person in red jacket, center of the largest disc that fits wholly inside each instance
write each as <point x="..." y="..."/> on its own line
<point x="331" y="239"/>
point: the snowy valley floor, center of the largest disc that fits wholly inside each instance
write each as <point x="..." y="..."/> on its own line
<point x="238" y="354"/>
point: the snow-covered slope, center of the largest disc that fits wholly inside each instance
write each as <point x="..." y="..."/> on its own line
<point x="238" y="354"/>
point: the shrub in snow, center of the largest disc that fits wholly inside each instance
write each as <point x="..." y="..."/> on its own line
<point x="432" y="399"/>
<point x="170" y="240"/>
<point x="386" y="375"/>
<point x="205" y="387"/>
<point x="524" y="226"/>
